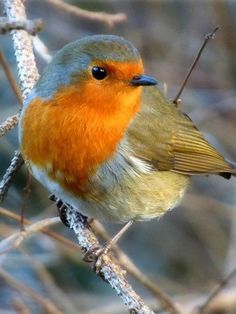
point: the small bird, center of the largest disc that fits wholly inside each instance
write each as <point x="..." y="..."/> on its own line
<point x="98" y="135"/>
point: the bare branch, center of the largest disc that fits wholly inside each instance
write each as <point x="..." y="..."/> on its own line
<point x="222" y="303"/>
<point x="32" y="27"/>
<point x="109" y="270"/>
<point x="8" y="124"/>
<point x="27" y="70"/>
<point x="27" y="191"/>
<point x="209" y="36"/>
<point x="20" y="307"/>
<point x="60" y="297"/>
<point x="14" y="240"/>
<point x="10" y="77"/>
<point x="52" y="234"/>
<point x="109" y="19"/>
<point x="47" y="304"/>
<point x="203" y="309"/>
<point x="41" y="49"/>
<point x="16" y="163"/>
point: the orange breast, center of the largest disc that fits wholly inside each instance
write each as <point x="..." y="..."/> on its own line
<point x="72" y="134"/>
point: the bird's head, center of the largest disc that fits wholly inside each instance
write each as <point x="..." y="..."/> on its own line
<point x="104" y="70"/>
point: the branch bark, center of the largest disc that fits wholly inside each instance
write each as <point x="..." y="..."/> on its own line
<point x="8" y="124"/>
<point x="32" y="27"/>
<point x="27" y="73"/>
<point x="27" y="69"/>
<point x="16" y="162"/>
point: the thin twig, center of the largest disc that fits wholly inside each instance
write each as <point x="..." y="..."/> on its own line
<point x="109" y="19"/>
<point x="20" y="307"/>
<point x="9" y="124"/>
<point x="216" y="292"/>
<point x="165" y="89"/>
<point x="46" y="303"/>
<point x="41" y="49"/>
<point x="16" y="163"/>
<point x="56" y="294"/>
<point x="52" y="234"/>
<point x="209" y="36"/>
<point x="31" y="26"/>
<point x="27" y="191"/>
<point x="14" y="240"/>
<point x="11" y="79"/>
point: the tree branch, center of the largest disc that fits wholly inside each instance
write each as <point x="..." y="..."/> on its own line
<point x="45" y="303"/>
<point x="109" y="270"/>
<point x="32" y="27"/>
<point x="209" y="36"/>
<point x="8" y="124"/>
<point x="27" y="70"/>
<point x="215" y="293"/>
<point x="10" y="77"/>
<point x="54" y="235"/>
<point x="14" y="240"/>
<point x="109" y="19"/>
<point x="16" y="162"/>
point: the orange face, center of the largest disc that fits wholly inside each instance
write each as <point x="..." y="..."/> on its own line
<point x="114" y="93"/>
<point x="79" y="128"/>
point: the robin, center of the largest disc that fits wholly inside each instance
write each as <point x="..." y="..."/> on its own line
<point x="98" y="134"/>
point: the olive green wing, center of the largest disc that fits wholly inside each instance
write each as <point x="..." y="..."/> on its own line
<point x="168" y="139"/>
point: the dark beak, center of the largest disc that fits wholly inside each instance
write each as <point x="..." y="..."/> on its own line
<point x="142" y="80"/>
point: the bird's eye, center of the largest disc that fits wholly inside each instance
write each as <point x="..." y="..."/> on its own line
<point x="99" y="73"/>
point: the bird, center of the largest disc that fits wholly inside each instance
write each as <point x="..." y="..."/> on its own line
<point x="98" y="134"/>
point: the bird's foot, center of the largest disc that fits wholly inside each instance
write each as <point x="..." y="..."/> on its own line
<point x="62" y="214"/>
<point x="97" y="256"/>
<point x="62" y="210"/>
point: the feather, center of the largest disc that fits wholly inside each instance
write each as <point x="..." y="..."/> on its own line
<point x="168" y="139"/>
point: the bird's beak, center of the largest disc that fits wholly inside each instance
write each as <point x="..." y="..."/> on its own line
<point x="143" y="80"/>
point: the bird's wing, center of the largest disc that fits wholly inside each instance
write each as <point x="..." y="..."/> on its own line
<point x="168" y="139"/>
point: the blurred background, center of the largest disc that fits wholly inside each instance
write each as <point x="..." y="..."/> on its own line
<point x="190" y="249"/>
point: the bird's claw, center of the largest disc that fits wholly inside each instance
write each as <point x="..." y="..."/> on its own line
<point x="62" y="208"/>
<point x="96" y="256"/>
<point x="62" y="214"/>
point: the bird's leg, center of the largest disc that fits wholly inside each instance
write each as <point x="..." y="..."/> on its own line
<point x="107" y="246"/>
<point x="94" y="255"/>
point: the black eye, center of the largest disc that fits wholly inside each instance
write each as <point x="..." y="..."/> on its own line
<point x="99" y="73"/>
